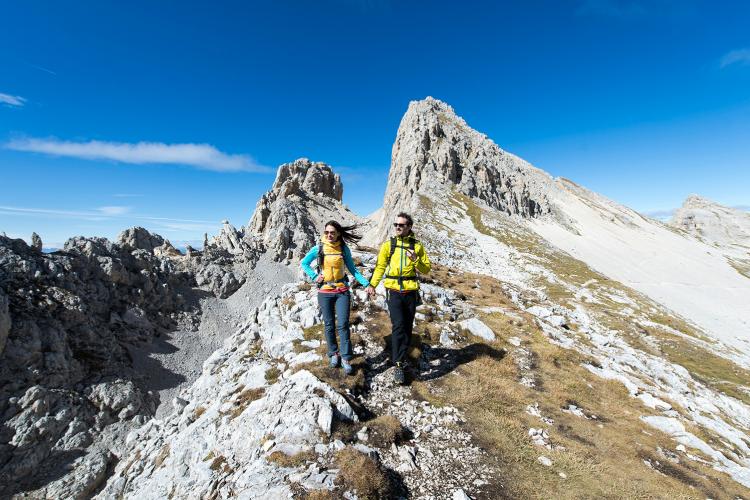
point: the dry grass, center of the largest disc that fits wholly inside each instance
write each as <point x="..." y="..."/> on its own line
<point x="741" y="266"/>
<point x="362" y="474"/>
<point x="244" y="399"/>
<point x="272" y="375"/>
<point x="384" y="431"/>
<point x="603" y="456"/>
<point x="162" y="456"/>
<point x="479" y="289"/>
<point x="283" y="460"/>
<point x="711" y="369"/>
<point x="198" y="412"/>
<point x="316" y="495"/>
<point x="714" y="371"/>
<point x="220" y="464"/>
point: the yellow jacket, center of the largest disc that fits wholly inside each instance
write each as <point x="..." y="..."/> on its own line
<point x="400" y="265"/>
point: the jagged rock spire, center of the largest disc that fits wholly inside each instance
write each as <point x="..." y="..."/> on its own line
<point x="288" y="218"/>
<point x="436" y="151"/>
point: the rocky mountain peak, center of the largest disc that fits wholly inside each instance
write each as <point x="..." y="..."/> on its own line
<point x="288" y="218"/>
<point x="712" y="222"/>
<point x="303" y="177"/>
<point x="436" y="153"/>
<point x="697" y="201"/>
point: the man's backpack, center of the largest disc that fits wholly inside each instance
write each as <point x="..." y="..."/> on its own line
<point x="401" y="279"/>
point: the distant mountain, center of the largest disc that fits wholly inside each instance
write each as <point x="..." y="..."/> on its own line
<point x="713" y="223"/>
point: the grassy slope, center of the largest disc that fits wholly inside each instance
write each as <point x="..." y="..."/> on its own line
<point x="603" y="457"/>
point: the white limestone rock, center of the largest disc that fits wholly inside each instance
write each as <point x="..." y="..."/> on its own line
<point x="477" y="328"/>
<point x="288" y="219"/>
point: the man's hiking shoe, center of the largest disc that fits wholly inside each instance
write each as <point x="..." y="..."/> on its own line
<point x="334" y="361"/>
<point x="398" y="375"/>
<point x="348" y="368"/>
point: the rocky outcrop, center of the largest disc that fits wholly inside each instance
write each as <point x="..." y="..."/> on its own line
<point x="225" y="261"/>
<point x="138" y="238"/>
<point x="713" y="223"/>
<point x="67" y="320"/>
<point x="288" y="219"/>
<point x="227" y="427"/>
<point x="4" y="320"/>
<point x="36" y="242"/>
<point x="436" y="152"/>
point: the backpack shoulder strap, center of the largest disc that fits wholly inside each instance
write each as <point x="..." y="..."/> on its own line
<point x="393" y="249"/>
<point x="321" y="256"/>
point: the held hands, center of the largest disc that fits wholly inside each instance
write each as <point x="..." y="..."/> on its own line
<point x="319" y="279"/>
<point x="370" y="291"/>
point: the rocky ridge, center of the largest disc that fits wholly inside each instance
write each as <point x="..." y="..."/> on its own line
<point x="714" y="223"/>
<point x="256" y="401"/>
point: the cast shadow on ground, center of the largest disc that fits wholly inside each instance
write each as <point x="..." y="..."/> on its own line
<point x="434" y="362"/>
<point x="55" y="466"/>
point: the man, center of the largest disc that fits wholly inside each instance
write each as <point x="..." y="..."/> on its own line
<point x="402" y="257"/>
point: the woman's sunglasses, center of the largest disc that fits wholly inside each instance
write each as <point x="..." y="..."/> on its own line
<point x="330" y="232"/>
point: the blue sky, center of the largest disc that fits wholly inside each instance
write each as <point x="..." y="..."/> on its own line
<point x="174" y="115"/>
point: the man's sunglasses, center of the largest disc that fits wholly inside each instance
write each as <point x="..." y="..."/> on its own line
<point x="397" y="224"/>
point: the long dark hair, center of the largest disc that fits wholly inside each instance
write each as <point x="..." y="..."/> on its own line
<point x="346" y="233"/>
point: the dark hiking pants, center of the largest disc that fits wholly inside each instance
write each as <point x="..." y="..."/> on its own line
<point x="401" y="307"/>
<point x="334" y="307"/>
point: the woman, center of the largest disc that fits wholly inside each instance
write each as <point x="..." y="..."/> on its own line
<point x="333" y="255"/>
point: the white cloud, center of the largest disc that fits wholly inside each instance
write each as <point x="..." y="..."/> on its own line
<point x="12" y="100"/>
<point x="202" y="156"/>
<point x="101" y="213"/>
<point x="739" y="56"/>
<point x="114" y="210"/>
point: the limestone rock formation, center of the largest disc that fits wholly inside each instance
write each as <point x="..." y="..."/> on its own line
<point x="66" y="321"/>
<point x="713" y="223"/>
<point x="436" y="151"/>
<point x="4" y="320"/>
<point x="234" y="419"/>
<point x="288" y="219"/>
<point x="36" y="242"/>
<point x="138" y="238"/>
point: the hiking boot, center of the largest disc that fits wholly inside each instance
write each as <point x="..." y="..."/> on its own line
<point x="348" y="368"/>
<point x="398" y="374"/>
<point x="334" y="361"/>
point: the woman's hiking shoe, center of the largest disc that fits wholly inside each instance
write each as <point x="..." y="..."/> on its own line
<point x="348" y="368"/>
<point x="398" y="374"/>
<point x="334" y="361"/>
